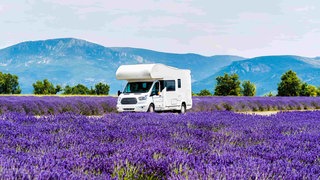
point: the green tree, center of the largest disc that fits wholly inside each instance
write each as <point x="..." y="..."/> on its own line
<point x="228" y="85"/>
<point x="313" y="91"/>
<point x="102" y="89"/>
<point x="67" y="90"/>
<point x="290" y="84"/>
<point x="304" y="90"/>
<point x="249" y="89"/>
<point x="308" y="90"/>
<point x="45" y="87"/>
<point x="204" y="92"/>
<point x="9" y="84"/>
<point x="78" y="89"/>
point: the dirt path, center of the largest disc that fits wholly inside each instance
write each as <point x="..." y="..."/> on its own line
<point x="269" y="113"/>
<point x="262" y="113"/>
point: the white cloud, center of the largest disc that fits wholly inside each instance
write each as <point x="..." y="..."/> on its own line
<point x="125" y="6"/>
<point x="248" y="28"/>
<point x="305" y="9"/>
<point x="163" y="21"/>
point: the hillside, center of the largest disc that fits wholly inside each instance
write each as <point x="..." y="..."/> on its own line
<point x="266" y="71"/>
<point x="70" y="61"/>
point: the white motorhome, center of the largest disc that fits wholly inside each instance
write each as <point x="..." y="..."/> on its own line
<point x="154" y="87"/>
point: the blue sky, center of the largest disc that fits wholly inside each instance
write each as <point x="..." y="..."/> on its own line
<point x="246" y="28"/>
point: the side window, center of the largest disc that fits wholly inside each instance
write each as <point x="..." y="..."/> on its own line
<point x="162" y="85"/>
<point x="179" y="83"/>
<point x="171" y="85"/>
<point x="155" y="89"/>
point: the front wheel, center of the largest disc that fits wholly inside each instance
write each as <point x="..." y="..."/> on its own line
<point x="183" y="109"/>
<point x="151" y="108"/>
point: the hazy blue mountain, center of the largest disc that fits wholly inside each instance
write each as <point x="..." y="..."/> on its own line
<point x="71" y="61"/>
<point x="266" y="72"/>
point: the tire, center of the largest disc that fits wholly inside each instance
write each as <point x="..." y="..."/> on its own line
<point x="151" y="108"/>
<point x="183" y="109"/>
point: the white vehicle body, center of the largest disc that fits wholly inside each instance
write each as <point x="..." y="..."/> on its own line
<point x="154" y="87"/>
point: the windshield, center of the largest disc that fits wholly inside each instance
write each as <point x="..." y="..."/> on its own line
<point x="137" y="87"/>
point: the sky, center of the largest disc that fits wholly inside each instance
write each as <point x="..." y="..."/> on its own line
<point x="247" y="28"/>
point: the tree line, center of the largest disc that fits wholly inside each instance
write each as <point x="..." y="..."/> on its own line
<point x="290" y="85"/>
<point x="9" y="85"/>
<point x="227" y="85"/>
<point x="46" y="87"/>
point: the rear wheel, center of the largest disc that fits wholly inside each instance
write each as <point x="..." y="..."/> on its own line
<point x="151" y="108"/>
<point x="183" y="108"/>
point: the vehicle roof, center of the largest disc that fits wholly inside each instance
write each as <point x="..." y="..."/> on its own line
<point x="147" y="71"/>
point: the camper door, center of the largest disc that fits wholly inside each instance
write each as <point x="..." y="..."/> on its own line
<point x="171" y="97"/>
<point x="157" y="96"/>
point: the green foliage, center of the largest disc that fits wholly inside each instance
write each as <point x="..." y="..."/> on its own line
<point x="290" y="84"/>
<point x="313" y="91"/>
<point x="67" y="90"/>
<point x="80" y="89"/>
<point x="308" y="90"/>
<point x="9" y="84"/>
<point x="45" y="87"/>
<point x="228" y="85"/>
<point x="304" y="90"/>
<point x="249" y="89"/>
<point x="102" y="89"/>
<point x="205" y="92"/>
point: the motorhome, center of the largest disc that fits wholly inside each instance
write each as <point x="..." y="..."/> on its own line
<point x="154" y="87"/>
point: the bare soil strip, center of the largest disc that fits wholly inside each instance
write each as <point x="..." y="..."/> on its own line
<point x="269" y="113"/>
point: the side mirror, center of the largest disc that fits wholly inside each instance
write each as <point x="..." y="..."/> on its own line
<point x="119" y="92"/>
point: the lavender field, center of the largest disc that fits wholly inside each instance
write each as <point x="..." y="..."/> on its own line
<point x="95" y="105"/>
<point x="242" y="104"/>
<point x="53" y="105"/>
<point x="202" y="145"/>
<point x="84" y="138"/>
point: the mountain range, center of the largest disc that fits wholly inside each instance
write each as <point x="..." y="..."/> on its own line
<point x="69" y="61"/>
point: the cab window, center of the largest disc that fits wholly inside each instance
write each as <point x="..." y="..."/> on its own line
<point x="155" y="89"/>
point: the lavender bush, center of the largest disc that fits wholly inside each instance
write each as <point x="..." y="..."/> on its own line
<point x="214" y="103"/>
<point x="52" y="105"/>
<point x="95" y="105"/>
<point x="202" y="145"/>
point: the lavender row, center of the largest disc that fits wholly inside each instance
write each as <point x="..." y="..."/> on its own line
<point x="229" y="103"/>
<point x="91" y="105"/>
<point x="52" y="105"/>
<point x="203" y="145"/>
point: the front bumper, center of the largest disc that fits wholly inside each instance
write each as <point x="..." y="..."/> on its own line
<point x="133" y="108"/>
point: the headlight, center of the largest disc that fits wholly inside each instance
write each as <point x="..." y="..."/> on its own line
<point x="143" y="98"/>
<point x="119" y="99"/>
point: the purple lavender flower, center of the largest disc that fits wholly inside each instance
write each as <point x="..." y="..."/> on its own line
<point x="202" y="145"/>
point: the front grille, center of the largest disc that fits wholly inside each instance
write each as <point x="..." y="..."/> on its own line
<point x="128" y="109"/>
<point x="128" y="101"/>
